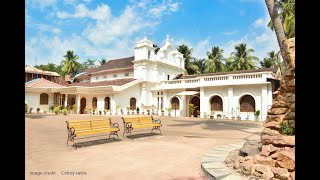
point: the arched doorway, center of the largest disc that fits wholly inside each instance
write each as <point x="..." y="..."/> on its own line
<point x="247" y="104"/>
<point x="195" y="100"/>
<point x="133" y="103"/>
<point x="82" y="105"/>
<point x="107" y="103"/>
<point x="175" y="105"/>
<point x="216" y="103"/>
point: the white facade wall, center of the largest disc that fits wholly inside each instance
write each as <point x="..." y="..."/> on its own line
<point x="123" y="98"/>
<point x="33" y="100"/>
<point x="109" y="76"/>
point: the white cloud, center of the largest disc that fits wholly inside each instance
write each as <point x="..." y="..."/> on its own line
<point x="107" y="36"/>
<point x="47" y="28"/>
<point x="108" y="32"/>
<point x="174" y="7"/>
<point x="100" y="13"/>
<point x="261" y="22"/>
<point x="165" y="7"/>
<point x="69" y="1"/>
<point x="230" y="32"/>
<point x="41" y="3"/>
<point x="87" y="1"/>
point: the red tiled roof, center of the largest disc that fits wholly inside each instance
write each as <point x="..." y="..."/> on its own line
<point x="41" y="82"/>
<point x="274" y="70"/>
<point x="114" y="64"/>
<point x="116" y="82"/>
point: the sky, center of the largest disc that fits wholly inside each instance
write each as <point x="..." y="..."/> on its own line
<point x="108" y="29"/>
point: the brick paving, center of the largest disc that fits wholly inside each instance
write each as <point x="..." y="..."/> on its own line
<point x="176" y="154"/>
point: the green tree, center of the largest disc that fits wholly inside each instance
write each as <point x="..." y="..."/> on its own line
<point x="188" y="63"/>
<point x="266" y="63"/>
<point x="201" y="64"/>
<point x="241" y="58"/>
<point x="70" y="64"/>
<point x="214" y="62"/>
<point x="286" y="12"/>
<point x="89" y="63"/>
<point x="273" y="58"/>
<point x="276" y="23"/>
<point x="228" y="67"/>
<point x="102" y="61"/>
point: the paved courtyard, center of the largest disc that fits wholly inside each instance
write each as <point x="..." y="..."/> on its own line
<point x="176" y="154"/>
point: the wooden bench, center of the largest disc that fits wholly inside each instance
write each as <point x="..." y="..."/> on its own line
<point x="79" y="128"/>
<point x="139" y="122"/>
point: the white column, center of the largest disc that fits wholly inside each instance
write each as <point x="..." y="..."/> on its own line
<point x="230" y="103"/>
<point x="184" y="105"/>
<point x="264" y="102"/>
<point x="165" y="100"/>
<point x="203" y="107"/>
<point x="269" y="96"/>
<point x="66" y="100"/>
<point x="113" y="103"/>
<point x="78" y="103"/>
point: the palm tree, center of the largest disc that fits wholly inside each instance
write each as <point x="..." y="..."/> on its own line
<point x="266" y="63"/>
<point x="228" y="65"/>
<point x="276" y="24"/>
<point x="241" y="58"/>
<point x="286" y="10"/>
<point x="214" y="62"/>
<point x="201" y="64"/>
<point x="102" y="61"/>
<point x="70" y="64"/>
<point x="273" y="58"/>
<point x="89" y="63"/>
<point x="187" y="54"/>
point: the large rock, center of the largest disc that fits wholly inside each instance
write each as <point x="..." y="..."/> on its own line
<point x="277" y="111"/>
<point x="247" y="165"/>
<point x="271" y="118"/>
<point x="290" y="115"/>
<point x="262" y="171"/>
<point x="263" y="160"/>
<point x="291" y="83"/>
<point x="279" y="104"/>
<point x="290" y="97"/>
<point x="232" y="157"/>
<point x="250" y="148"/>
<point x="278" y="140"/>
<point x="293" y="107"/>
<point x="280" y="173"/>
<point x="270" y="132"/>
<point x="279" y="98"/>
<point x="286" y="160"/>
<point x="293" y="176"/>
<point x="272" y="125"/>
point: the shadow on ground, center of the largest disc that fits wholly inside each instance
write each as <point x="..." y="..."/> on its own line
<point x="38" y="116"/>
<point x="96" y="142"/>
<point x="216" y="124"/>
<point x="142" y="135"/>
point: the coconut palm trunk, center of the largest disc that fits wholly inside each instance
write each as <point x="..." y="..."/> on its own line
<point x="278" y="28"/>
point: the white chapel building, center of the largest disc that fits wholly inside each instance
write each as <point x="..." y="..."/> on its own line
<point x="157" y="81"/>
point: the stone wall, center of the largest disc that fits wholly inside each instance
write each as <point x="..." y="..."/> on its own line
<point x="276" y="159"/>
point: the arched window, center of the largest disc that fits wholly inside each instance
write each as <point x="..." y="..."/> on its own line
<point x="44" y="98"/>
<point x="94" y="103"/>
<point x="133" y="102"/>
<point x="107" y="103"/>
<point x="247" y="104"/>
<point x="216" y="103"/>
<point x="175" y="103"/>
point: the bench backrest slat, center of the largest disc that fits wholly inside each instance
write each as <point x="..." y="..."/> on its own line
<point x="89" y="124"/>
<point x="145" y="119"/>
<point x="133" y="120"/>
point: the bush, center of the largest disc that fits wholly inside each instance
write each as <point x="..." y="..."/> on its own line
<point x="51" y="108"/>
<point x="287" y="128"/>
<point x="56" y="110"/>
<point x="64" y="111"/>
<point x="26" y="107"/>
<point x="61" y="107"/>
